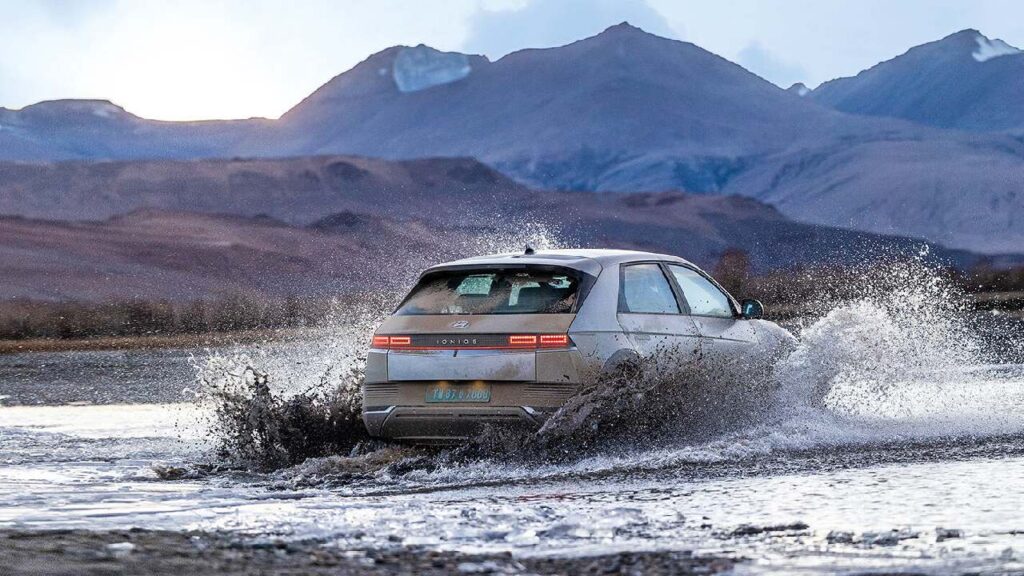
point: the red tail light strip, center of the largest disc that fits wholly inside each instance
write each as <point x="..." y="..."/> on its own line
<point x="522" y="341"/>
<point x="515" y="342"/>
<point x="554" y="340"/>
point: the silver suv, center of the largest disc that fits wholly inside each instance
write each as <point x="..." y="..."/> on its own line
<point x="507" y="339"/>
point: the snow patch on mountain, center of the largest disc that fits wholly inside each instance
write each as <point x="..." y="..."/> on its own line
<point x="989" y="49"/>
<point x="423" y="67"/>
<point x="800" y="89"/>
<point x="105" y="110"/>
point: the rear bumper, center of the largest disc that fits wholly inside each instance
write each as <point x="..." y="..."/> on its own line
<point x="447" y="424"/>
<point x="398" y="411"/>
<point x="525" y="389"/>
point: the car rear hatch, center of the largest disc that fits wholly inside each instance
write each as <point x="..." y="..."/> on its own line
<point x="482" y="322"/>
<point x="497" y="348"/>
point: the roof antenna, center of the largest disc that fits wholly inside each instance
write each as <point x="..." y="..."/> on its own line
<point x="529" y="250"/>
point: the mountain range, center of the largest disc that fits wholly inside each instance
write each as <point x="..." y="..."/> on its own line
<point x="627" y="111"/>
<point x="327" y="225"/>
<point x="964" y="81"/>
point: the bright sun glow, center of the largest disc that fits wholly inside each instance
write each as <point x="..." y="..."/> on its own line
<point x="223" y="80"/>
<point x="196" y="59"/>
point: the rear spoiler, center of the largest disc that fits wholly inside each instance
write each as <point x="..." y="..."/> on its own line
<point x="584" y="265"/>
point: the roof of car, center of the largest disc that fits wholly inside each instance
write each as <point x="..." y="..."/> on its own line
<point x="585" y="259"/>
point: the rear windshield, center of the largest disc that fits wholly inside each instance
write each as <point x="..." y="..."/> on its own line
<point x="521" y="291"/>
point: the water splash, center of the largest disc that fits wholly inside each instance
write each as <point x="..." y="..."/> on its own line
<point x="905" y="322"/>
<point x="269" y="407"/>
<point x="901" y="360"/>
<point x="276" y="404"/>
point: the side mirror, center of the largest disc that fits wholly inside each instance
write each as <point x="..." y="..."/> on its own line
<point x="751" y="309"/>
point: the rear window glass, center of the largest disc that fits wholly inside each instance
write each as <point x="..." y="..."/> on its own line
<point x="521" y="291"/>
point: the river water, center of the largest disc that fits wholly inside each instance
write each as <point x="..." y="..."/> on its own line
<point x="910" y="457"/>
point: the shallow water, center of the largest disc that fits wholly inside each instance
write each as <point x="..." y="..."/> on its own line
<point x="96" y="377"/>
<point x="949" y="465"/>
<point x="894" y="440"/>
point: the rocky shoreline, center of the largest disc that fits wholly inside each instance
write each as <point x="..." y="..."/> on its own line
<point x="82" y="552"/>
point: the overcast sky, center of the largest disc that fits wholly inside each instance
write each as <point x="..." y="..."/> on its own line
<point x="192" y="59"/>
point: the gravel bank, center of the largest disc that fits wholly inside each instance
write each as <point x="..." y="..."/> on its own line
<point x="80" y="552"/>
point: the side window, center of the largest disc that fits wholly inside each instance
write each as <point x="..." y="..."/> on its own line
<point x="645" y="290"/>
<point x="704" y="298"/>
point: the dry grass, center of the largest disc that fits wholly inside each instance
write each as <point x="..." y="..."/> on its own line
<point x="151" y="323"/>
<point x="150" y="342"/>
<point x="241" y="318"/>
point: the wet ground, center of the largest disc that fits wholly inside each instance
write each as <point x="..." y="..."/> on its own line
<point x="76" y="552"/>
<point x="913" y="461"/>
<point x="937" y="494"/>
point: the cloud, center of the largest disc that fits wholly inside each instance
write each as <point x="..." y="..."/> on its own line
<point x="762" y="62"/>
<point x="546" y="23"/>
<point x="70" y="13"/>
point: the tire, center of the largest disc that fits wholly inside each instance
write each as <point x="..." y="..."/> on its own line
<point x="618" y="359"/>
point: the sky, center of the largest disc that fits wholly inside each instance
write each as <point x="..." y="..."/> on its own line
<point x="198" y="59"/>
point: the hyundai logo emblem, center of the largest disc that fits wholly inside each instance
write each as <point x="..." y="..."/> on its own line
<point x="460" y="324"/>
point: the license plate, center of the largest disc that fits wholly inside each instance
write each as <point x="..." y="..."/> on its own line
<point x="455" y="393"/>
